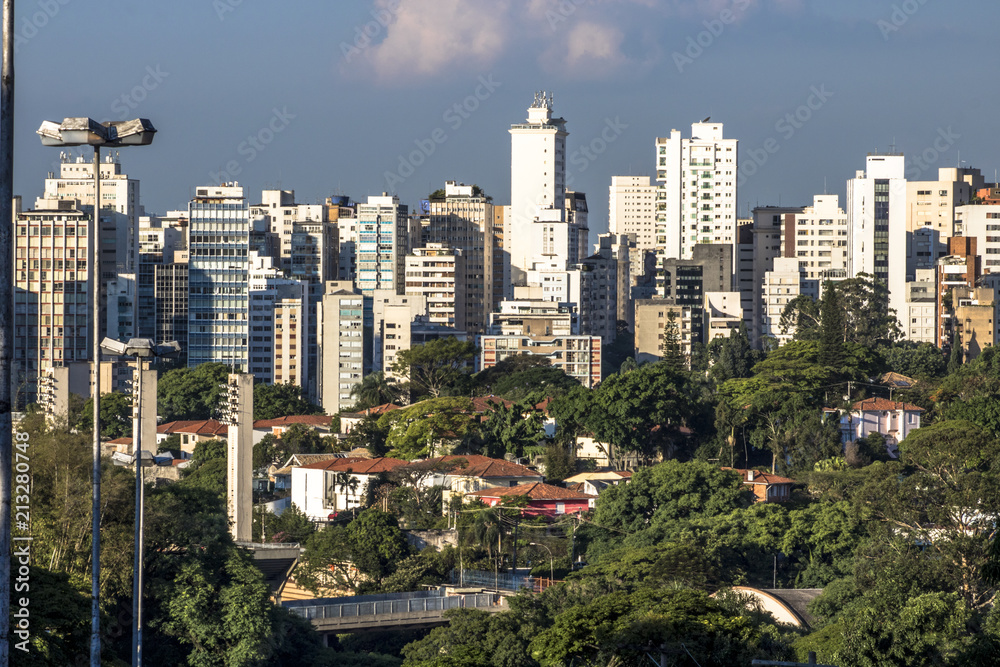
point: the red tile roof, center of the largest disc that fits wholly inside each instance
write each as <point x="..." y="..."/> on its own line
<point x="377" y="410"/>
<point x="534" y="491"/>
<point x="761" y="477"/>
<point x="489" y="403"/>
<point x="308" y="420"/>
<point x="120" y="441"/>
<point x="358" y="465"/>
<point x="484" y="466"/>
<point x="203" y="427"/>
<point x="884" y="405"/>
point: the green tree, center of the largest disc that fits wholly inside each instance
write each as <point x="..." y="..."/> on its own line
<point x="191" y="393"/>
<point x="509" y="430"/>
<point x="435" y="365"/>
<point x="832" y="333"/>
<point x="670" y="491"/>
<point x="736" y="358"/>
<point x="377" y="544"/>
<point x="271" y="401"/>
<point x="370" y="433"/>
<point x="672" y="353"/>
<point x="415" y="431"/>
<point x="375" y="389"/>
<point x="116" y="416"/>
<point x="629" y="407"/>
<point x="923" y="361"/>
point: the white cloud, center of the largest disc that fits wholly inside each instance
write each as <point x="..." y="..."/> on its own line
<point x="589" y="49"/>
<point x="429" y="37"/>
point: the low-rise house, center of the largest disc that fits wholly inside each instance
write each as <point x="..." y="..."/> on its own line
<point x="595" y="482"/>
<point x="894" y="420"/>
<point x="282" y="475"/>
<point x="319" y="423"/>
<point x="460" y="475"/>
<point x="324" y="488"/>
<point x="192" y="432"/>
<point x="543" y="499"/>
<point x="767" y="487"/>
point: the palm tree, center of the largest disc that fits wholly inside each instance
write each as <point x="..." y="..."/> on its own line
<point x="375" y="389"/>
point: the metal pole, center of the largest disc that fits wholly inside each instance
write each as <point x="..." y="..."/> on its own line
<point x="139" y="498"/>
<point x="95" y="527"/>
<point x="6" y="313"/>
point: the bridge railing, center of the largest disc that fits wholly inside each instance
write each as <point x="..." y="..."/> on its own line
<point x="378" y="608"/>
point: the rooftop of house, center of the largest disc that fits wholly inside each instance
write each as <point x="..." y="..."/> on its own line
<point x="606" y="475"/>
<point x="760" y="477"/>
<point x="534" y="491"/>
<point x="377" y="410"/>
<point x="357" y="465"/>
<point x="484" y="466"/>
<point x="202" y="427"/>
<point x="884" y="405"/>
<point x="308" y="420"/>
<point x="120" y="441"/>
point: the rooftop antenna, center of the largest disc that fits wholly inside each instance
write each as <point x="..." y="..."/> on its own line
<point x="825" y="192"/>
<point x="892" y="147"/>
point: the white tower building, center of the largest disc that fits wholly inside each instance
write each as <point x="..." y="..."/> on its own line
<point x="697" y="197"/>
<point x="537" y="179"/>
<point x="876" y="206"/>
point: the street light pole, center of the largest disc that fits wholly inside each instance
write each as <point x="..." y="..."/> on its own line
<point x="141" y="349"/>
<point x="6" y="315"/>
<point x="140" y="494"/>
<point x="552" y="566"/>
<point x="94" y="276"/>
<point x="88" y="132"/>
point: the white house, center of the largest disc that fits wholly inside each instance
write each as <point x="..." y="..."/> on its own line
<point x="894" y="420"/>
<point x="322" y="488"/>
<point x="462" y="474"/>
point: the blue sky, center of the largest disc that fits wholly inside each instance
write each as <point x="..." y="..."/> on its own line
<point x="323" y="98"/>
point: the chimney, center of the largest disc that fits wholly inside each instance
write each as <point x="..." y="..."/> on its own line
<point x="751" y="474"/>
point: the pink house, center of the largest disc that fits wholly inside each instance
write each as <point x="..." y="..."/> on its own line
<point x="892" y="419"/>
<point x="543" y="499"/>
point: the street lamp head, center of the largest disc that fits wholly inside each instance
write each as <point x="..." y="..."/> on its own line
<point x="140" y="347"/>
<point x="88" y="132"/>
<point x="115" y="347"/>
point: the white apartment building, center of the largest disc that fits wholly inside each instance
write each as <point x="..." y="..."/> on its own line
<point x="632" y="212"/>
<point x="781" y="285"/>
<point x="279" y="209"/>
<point x="534" y="318"/>
<point x="537" y="181"/>
<point x="383" y="241"/>
<point x="696" y="201"/>
<point x="982" y="221"/>
<point x="436" y="273"/>
<point x="920" y="321"/>
<point x="876" y="209"/>
<point x="390" y="311"/>
<point x="931" y="211"/>
<point x="819" y="235"/>
<point x="119" y="200"/>
<point x="723" y="313"/>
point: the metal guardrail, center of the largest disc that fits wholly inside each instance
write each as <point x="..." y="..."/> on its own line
<point x="356" y="609"/>
<point x="483" y="579"/>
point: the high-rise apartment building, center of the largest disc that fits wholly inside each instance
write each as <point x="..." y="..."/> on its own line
<point x="159" y="238"/>
<point x="464" y="220"/>
<point x="696" y="201"/>
<point x="342" y="342"/>
<point x="436" y="273"/>
<point x="632" y="213"/>
<point x="171" y="297"/>
<point x="876" y="208"/>
<point x="53" y="317"/>
<point x="279" y="324"/>
<point x="930" y="213"/>
<point x="218" y="277"/>
<point x="383" y="241"/>
<point x="818" y="238"/>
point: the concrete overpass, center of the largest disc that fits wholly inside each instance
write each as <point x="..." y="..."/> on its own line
<point x="379" y="612"/>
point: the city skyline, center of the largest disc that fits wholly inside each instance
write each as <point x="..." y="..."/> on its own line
<point x="865" y="77"/>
